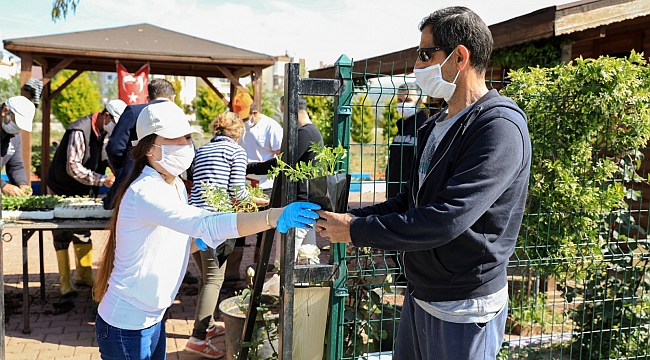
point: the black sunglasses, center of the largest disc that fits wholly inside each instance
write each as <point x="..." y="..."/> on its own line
<point x="424" y="54"/>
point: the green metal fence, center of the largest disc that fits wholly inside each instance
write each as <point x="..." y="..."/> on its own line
<point x="582" y="304"/>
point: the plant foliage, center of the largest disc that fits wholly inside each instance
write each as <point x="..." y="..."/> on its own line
<point x="588" y="121"/>
<point x="9" y="87"/>
<point x="29" y="203"/>
<point x="362" y="121"/>
<point x="542" y="53"/>
<point x="321" y="113"/>
<point x="207" y="106"/>
<point x="219" y="198"/>
<point x="78" y="99"/>
<point x="324" y="163"/>
<point x="60" y="8"/>
<point x="389" y="120"/>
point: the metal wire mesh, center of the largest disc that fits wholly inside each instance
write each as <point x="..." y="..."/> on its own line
<point x="600" y="311"/>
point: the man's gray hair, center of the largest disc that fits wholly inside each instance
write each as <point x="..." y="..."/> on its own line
<point x="160" y="88"/>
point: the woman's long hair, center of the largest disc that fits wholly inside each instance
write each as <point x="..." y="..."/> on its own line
<point x="139" y="154"/>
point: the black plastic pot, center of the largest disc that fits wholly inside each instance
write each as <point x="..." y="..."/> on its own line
<point x="330" y="192"/>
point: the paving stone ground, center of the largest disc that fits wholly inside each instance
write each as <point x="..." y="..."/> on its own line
<point x="71" y="335"/>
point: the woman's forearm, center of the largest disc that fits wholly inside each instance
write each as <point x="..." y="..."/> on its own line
<point x="255" y="222"/>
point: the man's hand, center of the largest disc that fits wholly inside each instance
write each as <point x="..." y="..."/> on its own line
<point x="12" y="190"/>
<point x="334" y="226"/>
<point x="109" y="180"/>
<point x="26" y="189"/>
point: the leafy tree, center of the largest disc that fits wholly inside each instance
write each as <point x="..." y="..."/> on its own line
<point x="321" y="113"/>
<point x="390" y="116"/>
<point x="208" y="106"/>
<point x="362" y="121"/>
<point x="9" y="87"/>
<point x="60" y="8"/>
<point x="78" y="99"/>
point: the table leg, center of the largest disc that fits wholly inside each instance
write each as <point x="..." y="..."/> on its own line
<point x="26" y="329"/>
<point x="42" y="264"/>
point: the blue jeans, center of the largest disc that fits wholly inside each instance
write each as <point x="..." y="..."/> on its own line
<point x="421" y="336"/>
<point x="119" y="344"/>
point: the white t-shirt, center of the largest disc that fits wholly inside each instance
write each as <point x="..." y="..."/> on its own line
<point x="154" y="226"/>
<point x="260" y="142"/>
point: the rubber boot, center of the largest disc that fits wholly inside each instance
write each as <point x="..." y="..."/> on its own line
<point x="63" y="258"/>
<point x="233" y="263"/>
<point x="84" y="255"/>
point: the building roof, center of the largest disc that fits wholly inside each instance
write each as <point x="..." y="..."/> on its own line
<point x="164" y="49"/>
<point x="541" y="24"/>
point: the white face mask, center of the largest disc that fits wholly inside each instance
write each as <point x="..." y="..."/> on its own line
<point x="10" y="128"/>
<point x="431" y="82"/>
<point x="109" y="127"/>
<point x="176" y="158"/>
<point x="406" y="110"/>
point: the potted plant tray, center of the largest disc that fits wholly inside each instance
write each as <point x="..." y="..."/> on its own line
<point x="28" y="207"/>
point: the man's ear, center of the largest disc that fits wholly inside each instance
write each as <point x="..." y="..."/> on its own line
<point x="4" y="111"/>
<point x="462" y="54"/>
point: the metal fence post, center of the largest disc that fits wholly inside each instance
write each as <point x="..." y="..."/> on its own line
<point x="342" y="112"/>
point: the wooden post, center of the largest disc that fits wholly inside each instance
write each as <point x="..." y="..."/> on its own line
<point x="256" y="77"/>
<point x="25" y="74"/>
<point x="233" y="92"/>
<point x="45" y="137"/>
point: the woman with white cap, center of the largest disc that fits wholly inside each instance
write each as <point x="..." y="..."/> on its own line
<point x="150" y="237"/>
<point x="16" y="114"/>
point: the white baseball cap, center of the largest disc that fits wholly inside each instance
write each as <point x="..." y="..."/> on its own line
<point x="164" y="119"/>
<point x="116" y="108"/>
<point x="23" y="110"/>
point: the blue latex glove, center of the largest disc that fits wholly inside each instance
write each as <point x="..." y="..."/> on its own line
<point x="298" y="215"/>
<point x="201" y="245"/>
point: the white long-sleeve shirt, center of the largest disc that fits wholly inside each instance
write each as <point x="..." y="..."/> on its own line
<point x="154" y="228"/>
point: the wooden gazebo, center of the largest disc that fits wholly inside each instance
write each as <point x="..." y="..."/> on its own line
<point x="167" y="53"/>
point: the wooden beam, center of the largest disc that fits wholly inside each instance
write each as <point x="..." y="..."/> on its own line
<point x="55" y="70"/>
<point x="63" y="64"/>
<point x="211" y="86"/>
<point x="25" y="74"/>
<point x="45" y="135"/>
<point x="232" y="78"/>
<point x="114" y="55"/>
<point x="66" y="83"/>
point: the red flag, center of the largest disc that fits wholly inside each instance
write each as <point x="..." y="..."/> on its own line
<point x="132" y="89"/>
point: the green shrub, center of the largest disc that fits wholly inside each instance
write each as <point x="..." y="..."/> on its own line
<point x="362" y="121"/>
<point x="321" y="113"/>
<point x="588" y="121"/>
<point x="78" y="99"/>
<point x="389" y="120"/>
<point x="207" y="106"/>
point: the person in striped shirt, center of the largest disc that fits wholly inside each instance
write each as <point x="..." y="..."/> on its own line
<point x="221" y="162"/>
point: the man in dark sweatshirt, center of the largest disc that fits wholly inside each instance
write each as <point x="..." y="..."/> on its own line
<point x="458" y="218"/>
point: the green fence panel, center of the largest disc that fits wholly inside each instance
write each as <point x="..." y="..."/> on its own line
<point x="584" y="302"/>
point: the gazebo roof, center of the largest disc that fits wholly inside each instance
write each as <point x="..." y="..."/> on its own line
<point x="168" y="52"/>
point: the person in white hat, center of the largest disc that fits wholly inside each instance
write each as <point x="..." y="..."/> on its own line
<point x="17" y="113"/>
<point x="78" y="169"/>
<point x="151" y="235"/>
